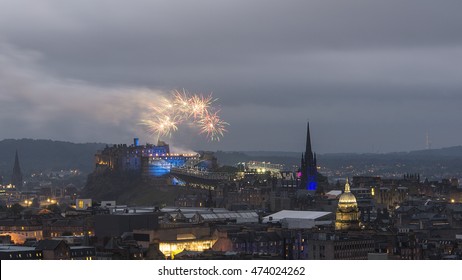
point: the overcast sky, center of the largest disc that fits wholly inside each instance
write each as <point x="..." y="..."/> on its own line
<point x="370" y="76"/>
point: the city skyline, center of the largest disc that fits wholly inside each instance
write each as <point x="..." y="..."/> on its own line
<point x="369" y="76"/>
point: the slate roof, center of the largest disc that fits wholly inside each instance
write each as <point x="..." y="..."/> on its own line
<point x="49" y="244"/>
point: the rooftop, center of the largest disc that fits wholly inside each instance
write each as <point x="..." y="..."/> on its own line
<point x="289" y="214"/>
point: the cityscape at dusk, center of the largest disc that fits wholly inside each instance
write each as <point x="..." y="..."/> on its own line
<point x="237" y="130"/>
<point x="370" y="76"/>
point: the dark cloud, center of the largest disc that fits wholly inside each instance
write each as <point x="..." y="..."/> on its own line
<point x="35" y="104"/>
<point x="369" y="75"/>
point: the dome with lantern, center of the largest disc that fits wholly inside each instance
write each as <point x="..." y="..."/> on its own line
<point x="347" y="200"/>
<point x="347" y="215"/>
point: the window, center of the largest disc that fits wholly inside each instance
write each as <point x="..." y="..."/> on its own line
<point x="80" y="203"/>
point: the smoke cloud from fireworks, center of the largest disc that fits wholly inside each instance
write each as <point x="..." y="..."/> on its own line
<point x="182" y="107"/>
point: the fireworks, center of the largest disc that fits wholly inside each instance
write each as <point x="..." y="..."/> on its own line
<point x="181" y="103"/>
<point x="183" y="107"/>
<point x="212" y="125"/>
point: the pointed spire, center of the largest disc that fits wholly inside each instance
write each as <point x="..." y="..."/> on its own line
<point x="308" y="151"/>
<point x="16" y="159"/>
<point x="308" y="166"/>
<point x="16" y="179"/>
<point x="347" y="186"/>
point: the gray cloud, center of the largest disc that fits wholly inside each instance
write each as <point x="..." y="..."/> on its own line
<point x="370" y="75"/>
<point x="35" y="104"/>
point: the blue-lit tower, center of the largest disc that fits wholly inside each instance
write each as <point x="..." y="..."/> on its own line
<point x="308" y="165"/>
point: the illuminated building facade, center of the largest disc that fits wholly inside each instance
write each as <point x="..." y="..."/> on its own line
<point x="308" y="166"/>
<point x="8" y="195"/>
<point x="21" y="230"/>
<point x="259" y="167"/>
<point x="83" y="203"/>
<point x="47" y="250"/>
<point x="347" y="215"/>
<point x="175" y="237"/>
<point x="71" y="228"/>
<point x="13" y="252"/>
<point x="171" y="248"/>
<point x="149" y="160"/>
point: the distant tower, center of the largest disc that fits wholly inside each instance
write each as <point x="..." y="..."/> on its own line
<point x="16" y="178"/>
<point x="308" y="165"/>
<point x="347" y="215"/>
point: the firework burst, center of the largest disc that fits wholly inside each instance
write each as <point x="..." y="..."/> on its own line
<point x="183" y="107"/>
<point x="211" y="125"/>
<point x="164" y="107"/>
<point x="162" y="125"/>
<point x="199" y="106"/>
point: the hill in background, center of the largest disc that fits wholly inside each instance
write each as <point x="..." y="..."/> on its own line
<point x="46" y="155"/>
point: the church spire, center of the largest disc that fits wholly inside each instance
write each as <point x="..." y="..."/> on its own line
<point x="308" y="151"/>
<point x="16" y="179"/>
<point x="308" y="165"/>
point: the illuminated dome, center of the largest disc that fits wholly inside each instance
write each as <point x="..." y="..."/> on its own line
<point x="347" y="215"/>
<point x="347" y="199"/>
